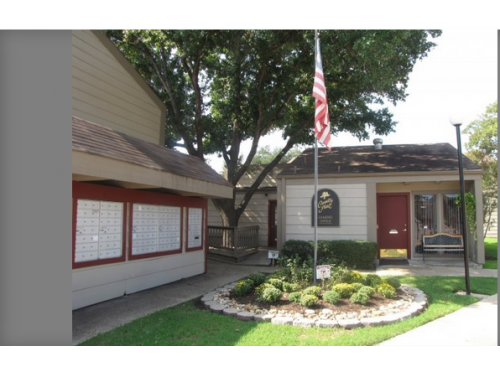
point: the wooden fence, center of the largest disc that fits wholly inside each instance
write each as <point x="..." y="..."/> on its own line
<point x="238" y="240"/>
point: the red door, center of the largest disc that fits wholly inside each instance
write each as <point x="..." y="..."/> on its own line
<point x="393" y="234"/>
<point x="272" y="224"/>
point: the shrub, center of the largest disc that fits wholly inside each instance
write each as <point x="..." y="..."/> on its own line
<point x="345" y="290"/>
<point x="277" y="283"/>
<point x="313" y="291"/>
<point x="260" y="289"/>
<point x="386" y="290"/>
<point x="373" y="280"/>
<point x="357" y="286"/>
<point x="257" y="278"/>
<point x="271" y="294"/>
<point x="297" y="270"/>
<point x="290" y="287"/>
<point x="367" y="290"/>
<point x="295" y="297"/>
<point x="331" y="297"/>
<point x="393" y="281"/>
<point x="243" y="287"/>
<point x="360" y="298"/>
<point x="308" y="300"/>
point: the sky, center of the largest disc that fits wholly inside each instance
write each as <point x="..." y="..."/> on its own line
<point x="457" y="78"/>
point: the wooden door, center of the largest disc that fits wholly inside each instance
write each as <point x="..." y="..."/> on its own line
<point x="272" y="232"/>
<point x="393" y="225"/>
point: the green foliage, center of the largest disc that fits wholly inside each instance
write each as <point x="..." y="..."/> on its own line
<point x="271" y="295"/>
<point x="331" y="296"/>
<point x="308" y="300"/>
<point x="386" y="290"/>
<point x="257" y="278"/>
<point x="260" y="289"/>
<point x="393" y="281"/>
<point x="353" y="254"/>
<point x="290" y="287"/>
<point x="295" y="297"/>
<point x="313" y="291"/>
<point x="297" y="270"/>
<point x="224" y="87"/>
<point x="470" y="210"/>
<point x="360" y="298"/>
<point x="373" y="280"/>
<point x="482" y="149"/>
<point x="367" y="290"/>
<point x="243" y="287"/>
<point x="277" y="283"/>
<point x="357" y="286"/>
<point x="345" y="290"/>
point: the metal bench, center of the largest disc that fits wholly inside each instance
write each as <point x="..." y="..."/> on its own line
<point x="442" y="242"/>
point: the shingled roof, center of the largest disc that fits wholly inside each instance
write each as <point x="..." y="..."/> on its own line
<point x="98" y="140"/>
<point x="405" y="158"/>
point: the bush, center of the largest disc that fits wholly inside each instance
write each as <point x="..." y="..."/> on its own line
<point x="386" y="290"/>
<point x="331" y="297"/>
<point x="257" y="278"/>
<point x="345" y="290"/>
<point x="308" y="300"/>
<point x="290" y="287"/>
<point x="360" y="298"/>
<point x="355" y="254"/>
<point x="295" y="297"/>
<point x="357" y="286"/>
<point x="367" y="290"/>
<point x="243" y="287"/>
<point x="260" y="289"/>
<point x="393" y="281"/>
<point x="313" y="291"/>
<point x="277" y="283"/>
<point x="271" y="294"/>
<point x="373" y="280"/>
<point x="297" y="270"/>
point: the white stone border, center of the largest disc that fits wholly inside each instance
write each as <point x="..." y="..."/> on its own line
<point x="218" y="301"/>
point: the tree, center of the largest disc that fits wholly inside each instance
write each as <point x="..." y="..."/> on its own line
<point x="224" y="87"/>
<point x="265" y="155"/>
<point x="482" y="149"/>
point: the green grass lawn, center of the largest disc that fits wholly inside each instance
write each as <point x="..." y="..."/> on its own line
<point x="491" y="252"/>
<point x="186" y="325"/>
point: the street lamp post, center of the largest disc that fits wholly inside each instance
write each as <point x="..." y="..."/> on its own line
<point x="456" y="123"/>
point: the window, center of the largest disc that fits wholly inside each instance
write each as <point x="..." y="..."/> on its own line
<point x="99" y="231"/>
<point x="155" y="229"/>
<point x="451" y="214"/>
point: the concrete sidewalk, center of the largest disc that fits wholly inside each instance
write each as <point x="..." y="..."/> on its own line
<point x="472" y="325"/>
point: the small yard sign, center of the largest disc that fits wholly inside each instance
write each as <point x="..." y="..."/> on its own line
<point x="273" y="254"/>
<point x="323" y="272"/>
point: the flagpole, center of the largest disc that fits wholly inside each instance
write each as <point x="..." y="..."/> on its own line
<point x="315" y="185"/>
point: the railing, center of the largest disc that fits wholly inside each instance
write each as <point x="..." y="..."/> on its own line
<point x="238" y="239"/>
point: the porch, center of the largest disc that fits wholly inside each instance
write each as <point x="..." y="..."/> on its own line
<point x="233" y="244"/>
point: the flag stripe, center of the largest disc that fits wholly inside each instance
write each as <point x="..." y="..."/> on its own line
<point x="321" y="115"/>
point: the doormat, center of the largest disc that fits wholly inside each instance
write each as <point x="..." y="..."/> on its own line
<point x="393" y="262"/>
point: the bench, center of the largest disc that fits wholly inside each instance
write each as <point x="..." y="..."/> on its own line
<point x="442" y="242"/>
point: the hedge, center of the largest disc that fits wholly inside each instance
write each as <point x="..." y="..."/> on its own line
<point x="354" y="254"/>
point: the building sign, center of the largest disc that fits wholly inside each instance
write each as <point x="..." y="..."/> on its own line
<point x="328" y="209"/>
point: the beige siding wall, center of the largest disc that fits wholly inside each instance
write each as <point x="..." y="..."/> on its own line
<point x="353" y="213"/>
<point x="101" y="283"/>
<point x="256" y="213"/>
<point x="106" y="91"/>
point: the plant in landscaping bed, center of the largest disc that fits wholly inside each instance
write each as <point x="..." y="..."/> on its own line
<point x="243" y="287"/>
<point x="345" y="290"/>
<point x="295" y="297"/>
<point x="367" y="290"/>
<point x="271" y="294"/>
<point x="260" y="289"/>
<point x="393" y="281"/>
<point x="360" y="298"/>
<point x="372" y="280"/>
<point x="257" y="278"/>
<point x="277" y="283"/>
<point x="386" y="290"/>
<point x="357" y="286"/>
<point x="313" y="291"/>
<point x="290" y="287"/>
<point x="331" y="296"/>
<point x="308" y="300"/>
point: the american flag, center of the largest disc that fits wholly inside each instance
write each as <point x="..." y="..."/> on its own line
<point x="321" y="116"/>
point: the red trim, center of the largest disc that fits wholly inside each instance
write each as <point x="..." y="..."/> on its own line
<point x="106" y="193"/>
<point x="408" y="222"/>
